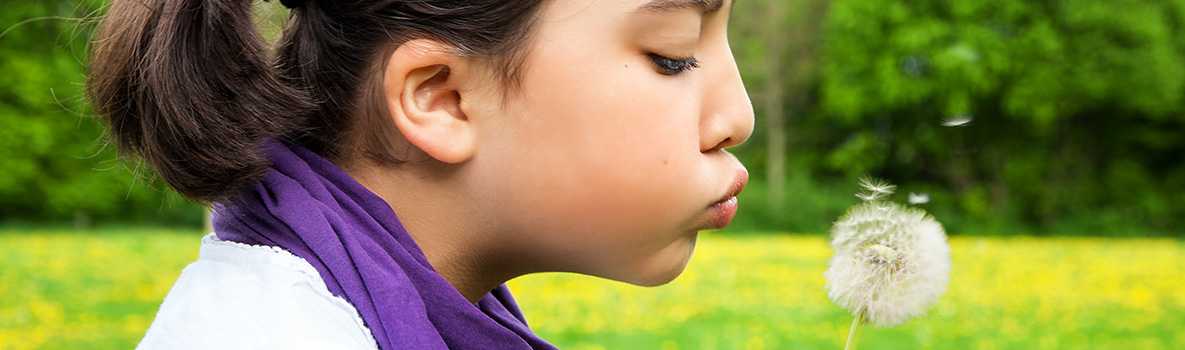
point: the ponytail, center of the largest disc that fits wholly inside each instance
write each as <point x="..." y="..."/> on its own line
<point x="184" y="86"/>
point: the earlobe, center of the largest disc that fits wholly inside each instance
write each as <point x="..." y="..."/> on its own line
<point x="424" y="100"/>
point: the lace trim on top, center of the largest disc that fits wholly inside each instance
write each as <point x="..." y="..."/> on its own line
<point x="292" y="262"/>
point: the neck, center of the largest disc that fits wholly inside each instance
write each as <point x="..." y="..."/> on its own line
<point x="456" y="239"/>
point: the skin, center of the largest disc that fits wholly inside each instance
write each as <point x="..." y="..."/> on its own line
<point x="596" y="164"/>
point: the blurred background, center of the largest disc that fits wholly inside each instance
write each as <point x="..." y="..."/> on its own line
<point x="1047" y="136"/>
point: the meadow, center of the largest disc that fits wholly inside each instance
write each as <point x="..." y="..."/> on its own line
<point x="100" y="289"/>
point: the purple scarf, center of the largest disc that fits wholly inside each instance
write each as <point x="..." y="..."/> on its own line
<point x="310" y="207"/>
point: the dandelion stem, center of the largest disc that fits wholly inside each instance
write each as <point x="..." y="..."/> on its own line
<point x="852" y="332"/>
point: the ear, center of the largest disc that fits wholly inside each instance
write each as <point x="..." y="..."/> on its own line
<point x="423" y="97"/>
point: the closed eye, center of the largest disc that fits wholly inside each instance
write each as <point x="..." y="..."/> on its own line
<point x="673" y="65"/>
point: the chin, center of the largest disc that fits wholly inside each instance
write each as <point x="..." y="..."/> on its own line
<point x="665" y="265"/>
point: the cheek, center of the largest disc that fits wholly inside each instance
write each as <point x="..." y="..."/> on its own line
<point x="605" y="158"/>
<point x="627" y="146"/>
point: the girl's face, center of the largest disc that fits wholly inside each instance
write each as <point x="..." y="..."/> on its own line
<point x="610" y="155"/>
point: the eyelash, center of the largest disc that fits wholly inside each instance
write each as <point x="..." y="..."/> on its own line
<point x="673" y="65"/>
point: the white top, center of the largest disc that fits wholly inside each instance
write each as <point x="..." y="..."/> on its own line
<point x="238" y="296"/>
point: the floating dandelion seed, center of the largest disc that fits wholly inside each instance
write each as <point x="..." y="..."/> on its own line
<point x="874" y="189"/>
<point x="957" y="121"/>
<point x="891" y="262"/>
<point x="918" y="198"/>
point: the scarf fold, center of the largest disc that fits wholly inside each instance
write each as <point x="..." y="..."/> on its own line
<point x="308" y="206"/>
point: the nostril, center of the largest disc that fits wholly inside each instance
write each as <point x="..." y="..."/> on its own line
<point x="724" y="144"/>
<point x="727" y="142"/>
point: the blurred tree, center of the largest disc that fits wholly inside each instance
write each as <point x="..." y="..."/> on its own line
<point x="1070" y="111"/>
<point x="57" y="166"/>
<point x="779" y="52"/>
<point x="774" y="108"/>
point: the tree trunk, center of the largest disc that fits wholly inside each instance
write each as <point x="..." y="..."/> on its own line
<point x="773" y="106"/>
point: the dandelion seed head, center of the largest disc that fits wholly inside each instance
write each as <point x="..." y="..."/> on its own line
<point x="891" y="262"/>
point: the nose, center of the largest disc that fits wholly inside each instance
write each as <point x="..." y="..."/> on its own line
<point x="727" y="119"/>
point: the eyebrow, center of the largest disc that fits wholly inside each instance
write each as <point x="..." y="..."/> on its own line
<point x="704" y="6"/>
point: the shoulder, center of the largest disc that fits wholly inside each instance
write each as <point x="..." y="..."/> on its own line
<point x="243" y="296"/>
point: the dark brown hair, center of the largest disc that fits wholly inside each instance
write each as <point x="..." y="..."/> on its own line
<point x="187" y="85"/>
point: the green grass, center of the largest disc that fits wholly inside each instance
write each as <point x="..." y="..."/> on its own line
<point x="100" y="290"/>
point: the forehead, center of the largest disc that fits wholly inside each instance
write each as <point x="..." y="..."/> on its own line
<point x="620" y="9"/>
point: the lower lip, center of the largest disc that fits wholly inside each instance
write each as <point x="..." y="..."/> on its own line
<point x="723" y="212"/>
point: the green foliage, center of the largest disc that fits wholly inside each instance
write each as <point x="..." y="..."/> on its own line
<point x="56" y="162"/>
<point x="1077" y="112"/>
<point x="1076" y="107"/>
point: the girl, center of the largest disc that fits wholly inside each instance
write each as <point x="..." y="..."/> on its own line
<point x="376" y="183"/>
